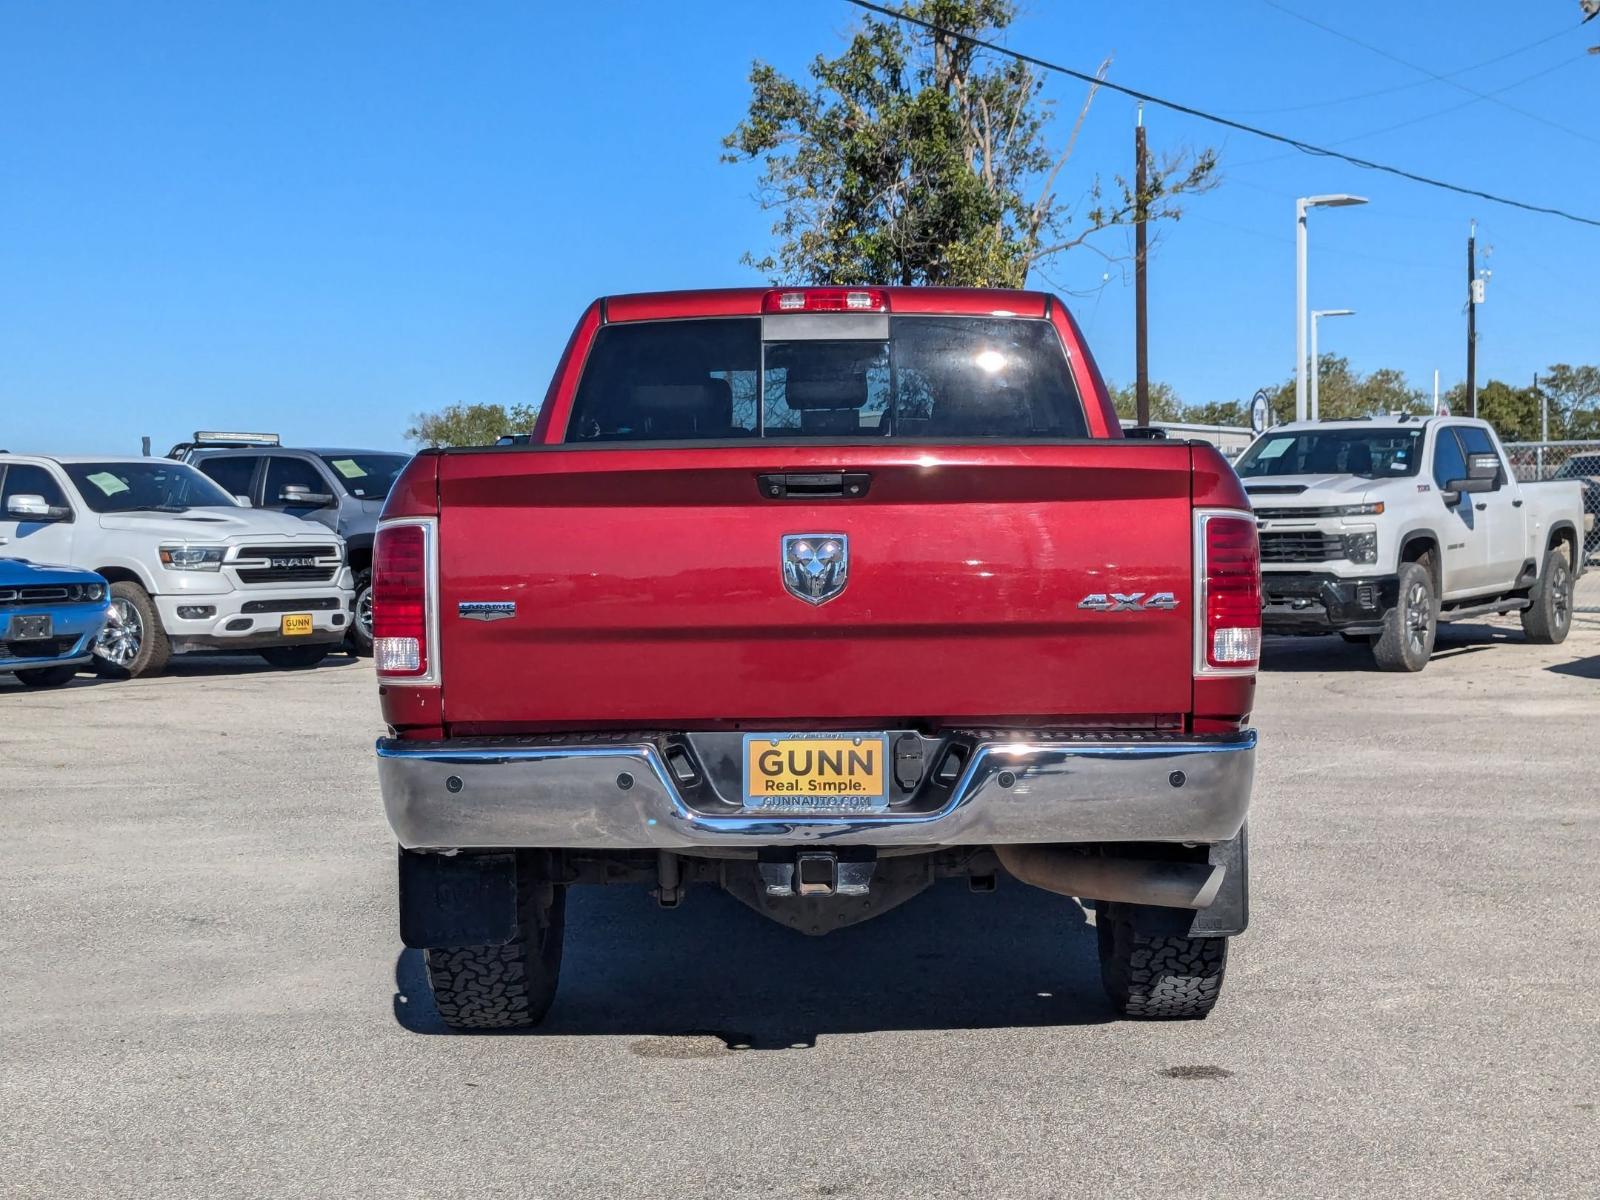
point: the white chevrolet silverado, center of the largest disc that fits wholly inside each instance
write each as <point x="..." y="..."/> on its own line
<point x="190" y="568"/>
<point x="1380" y="529"/>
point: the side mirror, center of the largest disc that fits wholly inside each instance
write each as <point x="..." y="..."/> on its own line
<point x="1454" y="489"/>
<point x="28" y="507"/>
<point x="302" y="497"/>
<point x="243" y="501"/>
<point x="1483" y="475"/>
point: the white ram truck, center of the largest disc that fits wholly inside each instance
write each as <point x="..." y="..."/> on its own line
<point x="190" y="568"/>
<point x="1380" y="529"/>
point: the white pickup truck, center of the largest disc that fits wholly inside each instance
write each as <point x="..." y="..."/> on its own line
<point x="190" y="568"/>
<point x="1380" y="529"/>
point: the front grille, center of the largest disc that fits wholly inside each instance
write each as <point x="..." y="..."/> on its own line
<point x="1297" y="546"/>
<point x="1295" y="514"/>
<point x="321" y="604"/>
<point x="286" y="564"/>
<point x="39" y="647"/>
<point x="46" y="593"/>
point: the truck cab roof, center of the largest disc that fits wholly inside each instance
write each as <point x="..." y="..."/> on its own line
<point x="754" y="301"/>
<point x="1383" y="422"/>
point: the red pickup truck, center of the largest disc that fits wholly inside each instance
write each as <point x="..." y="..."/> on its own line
<point x="819" y="596"/>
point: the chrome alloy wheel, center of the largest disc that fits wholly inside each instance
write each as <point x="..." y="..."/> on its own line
<point x="1419" y="612"/>
<point x="120" y="641"/>
<point x="1561" y="592"/>
<point x="364" y="612"/>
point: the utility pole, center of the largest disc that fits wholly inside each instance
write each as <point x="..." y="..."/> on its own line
<point x="1141" y="295"/>
<point x="1472" y="318"/>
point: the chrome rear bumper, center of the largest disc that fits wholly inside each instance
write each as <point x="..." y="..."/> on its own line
<point x="500" y="793"/>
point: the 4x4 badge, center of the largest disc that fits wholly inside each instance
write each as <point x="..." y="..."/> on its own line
<point x="1129" y="601"/>
<point x="816" y="566"/>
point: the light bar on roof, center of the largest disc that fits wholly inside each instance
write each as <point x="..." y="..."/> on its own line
<point x="249" y="439"/>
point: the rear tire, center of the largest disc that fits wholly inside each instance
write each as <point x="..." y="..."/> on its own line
<point x="1160" y="977"/>
<point x="1548" y="618"/>
<point x="504" y="987"/>
<point x="133" y="643"/>
<point x="47" y="677"/>
<point x="1412" y="625"/>
<point x="296" y="658"/>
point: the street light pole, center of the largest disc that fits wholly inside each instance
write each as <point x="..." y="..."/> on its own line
<point x="1301" y="207"/>
<point x="1300" y="310"/>
<point x="1316" y="362"/>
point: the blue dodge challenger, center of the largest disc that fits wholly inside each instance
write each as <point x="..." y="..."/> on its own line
<point x="49" y="620"/>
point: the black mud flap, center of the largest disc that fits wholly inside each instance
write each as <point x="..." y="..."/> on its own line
<point x="451" y="900"/>
<point x="1230" y="911"/>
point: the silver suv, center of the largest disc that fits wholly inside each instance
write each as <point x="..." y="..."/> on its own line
<point x="342" y="489"/>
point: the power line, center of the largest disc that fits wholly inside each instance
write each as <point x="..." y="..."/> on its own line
<point x="1433" y="75"/>
<point x="1403" y="87"/>
<point x="1428" y="116"/>
<point x="1200" y="114"/>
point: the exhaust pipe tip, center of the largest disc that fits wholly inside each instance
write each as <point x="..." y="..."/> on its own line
<point x="1068" y="872"/>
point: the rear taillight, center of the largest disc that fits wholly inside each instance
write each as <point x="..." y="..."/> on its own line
<point x="402" y="602"/>
<point x="1228" y="579"/>
<point x="783" y="300"/>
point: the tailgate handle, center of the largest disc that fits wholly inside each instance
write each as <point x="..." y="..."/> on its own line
<point x="827" y="485"/>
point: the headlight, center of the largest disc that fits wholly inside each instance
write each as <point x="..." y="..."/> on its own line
<point x="91" y="591"/>
<point x="1361" y="547"/>
<point x="1361" y="510"/>
<point x="191" y="558"/>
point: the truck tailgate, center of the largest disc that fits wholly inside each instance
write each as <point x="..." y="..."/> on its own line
<point x="649" y="586"/>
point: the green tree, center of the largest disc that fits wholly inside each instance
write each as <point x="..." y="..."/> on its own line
<point x="1164" y="402"/>
<point x="1513" y="411"/>
<point x="1219" y="412"/>
<point x="916" y="158"/>
<point x="1575" y="392"/>
<point x="470" y="424"/>
<point x="1344" y="393"/>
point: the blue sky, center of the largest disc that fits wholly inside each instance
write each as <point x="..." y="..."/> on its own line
<point x="320" y="219"/>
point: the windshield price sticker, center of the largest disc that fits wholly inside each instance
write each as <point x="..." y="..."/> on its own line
<point x="107" y="483"/>
<point x="1275" y="448"/>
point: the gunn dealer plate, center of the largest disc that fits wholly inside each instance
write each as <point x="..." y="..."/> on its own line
<point x="816" y="772"/>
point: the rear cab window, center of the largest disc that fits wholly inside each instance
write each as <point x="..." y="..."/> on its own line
<point x="738" y="378"/>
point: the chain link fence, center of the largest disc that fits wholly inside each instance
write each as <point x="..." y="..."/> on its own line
<point x="1577" y="461"/>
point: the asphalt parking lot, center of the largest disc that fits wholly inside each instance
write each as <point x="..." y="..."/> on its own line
<point x="205" y="993"/>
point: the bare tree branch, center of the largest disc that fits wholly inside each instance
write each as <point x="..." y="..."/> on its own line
<point x="1047" y="189"/>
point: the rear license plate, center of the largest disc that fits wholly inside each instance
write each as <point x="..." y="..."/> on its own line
<point x="27" y="628"/>
<point x="295" y="625"/>
<point x="816" y="773"/>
